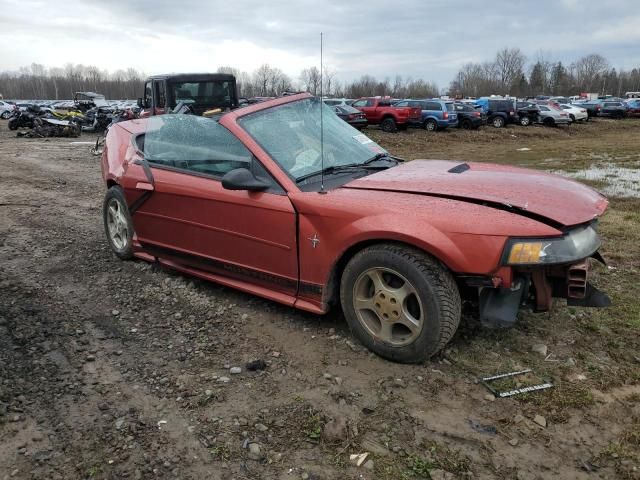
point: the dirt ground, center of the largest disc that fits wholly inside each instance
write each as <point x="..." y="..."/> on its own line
<point x="115" y="370"/>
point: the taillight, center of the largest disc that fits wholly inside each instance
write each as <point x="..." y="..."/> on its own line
<point x="477" y="114"/>
<point x="511" y="112"/>
<point x="446" y="115"/>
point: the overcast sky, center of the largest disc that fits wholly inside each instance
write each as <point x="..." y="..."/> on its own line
<point x="430" y="39"/>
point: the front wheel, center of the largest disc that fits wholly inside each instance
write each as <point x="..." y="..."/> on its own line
<point x="6" y="114"/>
<point x="498" y="122"/>
<point x="117" y="223"/>
<point x="13" y="124"/>
<point x="525" y="121"/>
<point x="389" y="125"/>
<point x="572" y="117"/>
<point x="399" y="302"/>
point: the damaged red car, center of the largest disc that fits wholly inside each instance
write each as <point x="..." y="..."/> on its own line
<point x="290" y="203"/>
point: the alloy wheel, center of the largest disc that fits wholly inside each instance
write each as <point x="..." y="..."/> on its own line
<point x="388" y="306"/>
<point x="117" y="224"/>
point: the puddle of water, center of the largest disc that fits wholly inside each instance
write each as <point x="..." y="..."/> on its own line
<point x="620" y="181"/>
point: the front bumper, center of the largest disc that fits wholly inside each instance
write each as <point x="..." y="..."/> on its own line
<point x="535" y="287"/>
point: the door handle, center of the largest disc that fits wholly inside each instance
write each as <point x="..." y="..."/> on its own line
<point x="144" y="186"/>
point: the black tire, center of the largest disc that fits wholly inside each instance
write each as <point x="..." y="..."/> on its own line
<point x="466" y="124"/>
<point x="525" y="120"/>
<point x="572" y="117"/>
<point x="389" y="125"/>
<point x="434" y="288"/>
<point x="549" y="122"/>
<point x="13" y="124"/>
<point x="116" y="195"/>
<point x="431" y="125"/>
<point x="498" y="122"/>
<point x="6" y="114"/>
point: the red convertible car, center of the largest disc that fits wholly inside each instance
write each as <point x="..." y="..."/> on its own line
<point x="296" y="206"/>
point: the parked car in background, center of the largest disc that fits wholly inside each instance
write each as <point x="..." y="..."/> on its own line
<point x="552" y="116"/>
<point x="559" y="100"/>
<point x="332" y="102"/>
<point x="633" y="108"/>
<point x="592" y="107"/>
<point x="469" y="117"/>
<point x="380" y="111"/>
<point x="6" y="109"/>
<point x="435" y="114"/>
<point x="351" y="115"/>
<point x="613" y="110"/>
<point x="500" y="112"/>
<point x="576" y="113"/>
<point x="527" y="113"/>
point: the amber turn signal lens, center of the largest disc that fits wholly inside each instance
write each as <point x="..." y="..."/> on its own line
<point x="528" y="252"/>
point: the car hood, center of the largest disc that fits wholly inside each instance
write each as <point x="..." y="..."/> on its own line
<point x="549" y="198"/>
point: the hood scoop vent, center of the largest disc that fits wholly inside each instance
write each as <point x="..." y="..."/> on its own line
<point x="463" y="167"/>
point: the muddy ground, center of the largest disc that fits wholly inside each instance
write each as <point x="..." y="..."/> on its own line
<point x="113" y="369"/>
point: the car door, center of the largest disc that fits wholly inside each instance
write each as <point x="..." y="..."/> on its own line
<point x="190" y="219"/>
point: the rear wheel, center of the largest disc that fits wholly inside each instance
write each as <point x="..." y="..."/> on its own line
<point x="13" y="124"/>
<point x="399" y="302"/>
<point x="431" y="125"/>
<point x="117" y="223"/>
<point x="466" y="124"/>
<point x="498" y="122"/>
<point x="6" y="114"/>
<point x="572" y="117"/>
<point x="549" y="122"/>
<point x="389" y="125"/>
<point x="525" y="121"/>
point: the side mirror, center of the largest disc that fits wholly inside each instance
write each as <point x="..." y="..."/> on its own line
<point x="243" y="179"/>
<point x="140" y="102"/>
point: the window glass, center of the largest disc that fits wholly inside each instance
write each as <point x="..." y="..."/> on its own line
<point x="361" y="103"/>
<point x="204" y="94"/>
<point x="544" y="109"/>
<point x="450" y="107"/>
<point x="401" y="104"/>
<point x="160" y="95"/>
<point x="432" y="106"/>
<point x="290" y="134"/>
<point x="195" y="144"/>
<point x="148" y="95"/>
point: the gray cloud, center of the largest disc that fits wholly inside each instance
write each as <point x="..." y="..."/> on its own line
<point x="418" y="38"/>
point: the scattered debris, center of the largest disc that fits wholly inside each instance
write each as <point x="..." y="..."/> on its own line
<point x="540" y="420"/>
<point x="358" y="458"/>
<point x="540" y="348"/>
<point x="480" y="428"/>
<point x="531" y="388"/>
<point x="256" y="365"/>
<point x="523" y="149"/>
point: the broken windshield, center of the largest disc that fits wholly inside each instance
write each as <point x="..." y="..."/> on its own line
<point x="290" y="134"/>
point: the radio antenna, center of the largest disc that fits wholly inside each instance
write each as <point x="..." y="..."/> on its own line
<point x="322" y="190"/>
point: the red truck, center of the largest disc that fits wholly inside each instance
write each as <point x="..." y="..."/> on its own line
<point x="379" y="111"/>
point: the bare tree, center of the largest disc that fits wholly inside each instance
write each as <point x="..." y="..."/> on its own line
<point x="509" y="65"/>
<point x="310" y="78"/>
<point x="589" y="69"/>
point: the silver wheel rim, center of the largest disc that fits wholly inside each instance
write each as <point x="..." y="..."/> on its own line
<point x="430" y="126"/>
<point x="117" y="225"/>
<point x="497" y="123"/>
<point x="388" y="306"/>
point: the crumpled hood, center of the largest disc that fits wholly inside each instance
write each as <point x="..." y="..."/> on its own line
<point x="532" y="192"/>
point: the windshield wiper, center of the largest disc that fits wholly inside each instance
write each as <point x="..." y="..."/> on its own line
<point x="353" y="166"/>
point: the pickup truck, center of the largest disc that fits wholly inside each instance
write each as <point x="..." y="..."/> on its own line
<point x="379" y="111"/>
<point x="199" y="91"/>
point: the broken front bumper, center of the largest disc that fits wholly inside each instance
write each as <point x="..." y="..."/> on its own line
<point x="535" y="287"/>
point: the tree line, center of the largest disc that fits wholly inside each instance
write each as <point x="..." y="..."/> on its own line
<point x="508" y="73"/>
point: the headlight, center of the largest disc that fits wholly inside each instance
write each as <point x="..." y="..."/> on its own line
<point x="579" y="243"/>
